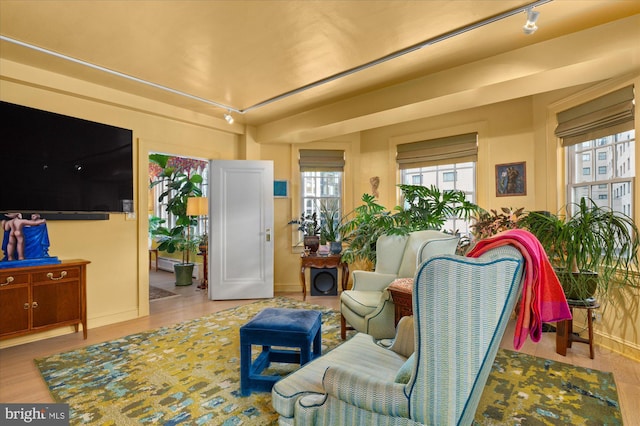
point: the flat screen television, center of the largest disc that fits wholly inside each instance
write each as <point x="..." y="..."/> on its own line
<point x="54" y="163"/>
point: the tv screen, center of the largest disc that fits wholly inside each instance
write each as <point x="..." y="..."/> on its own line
<point x="56" y="163"/>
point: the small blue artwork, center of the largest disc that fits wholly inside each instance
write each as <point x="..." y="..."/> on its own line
<point x="280" y="188"/>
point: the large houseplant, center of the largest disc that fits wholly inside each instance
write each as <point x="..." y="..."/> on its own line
<point x="422" y="208"/>
<point x="179" y="187"/>
<point x="593" y="248"/>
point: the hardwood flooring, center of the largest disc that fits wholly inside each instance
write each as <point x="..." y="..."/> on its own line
<point x="21" y="382"/>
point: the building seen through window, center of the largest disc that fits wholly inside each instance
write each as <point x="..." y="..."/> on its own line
<point x="603" y="169"/>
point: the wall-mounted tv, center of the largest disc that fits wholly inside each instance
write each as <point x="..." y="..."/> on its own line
<point x="52" y="163"/>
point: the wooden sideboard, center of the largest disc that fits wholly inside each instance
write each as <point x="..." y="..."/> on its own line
<point x="39" y="298"/>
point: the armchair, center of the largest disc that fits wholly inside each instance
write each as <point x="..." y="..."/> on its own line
<point x="461" y="309"/>
<point x="368" y="307"/>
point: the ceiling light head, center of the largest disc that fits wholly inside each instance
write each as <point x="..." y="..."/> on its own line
<point x="530" y="26"/>
<point x="228" y="117"/>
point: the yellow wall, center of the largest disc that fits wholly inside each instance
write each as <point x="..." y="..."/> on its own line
<point x="117" y="278"/>
<point x="510" y="131"/>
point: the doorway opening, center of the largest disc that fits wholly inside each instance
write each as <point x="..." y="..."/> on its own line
<point x="176" y="188"/>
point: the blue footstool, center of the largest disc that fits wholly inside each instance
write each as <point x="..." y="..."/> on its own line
<point x="282" y="327"/>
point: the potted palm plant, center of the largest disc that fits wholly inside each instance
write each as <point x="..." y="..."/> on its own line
<point x="592" y="248"/>
<point x="179" y="187"/>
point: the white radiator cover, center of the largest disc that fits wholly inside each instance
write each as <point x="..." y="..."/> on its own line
<point x="166" y="264"/>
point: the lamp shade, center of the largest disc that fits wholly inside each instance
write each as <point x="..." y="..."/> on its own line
<point x="197" y="206"/>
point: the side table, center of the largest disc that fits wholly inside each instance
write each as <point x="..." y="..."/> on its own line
<point x="401" y="291"/>
<point x="564" y="329"/>
<point x="322" y="261"/>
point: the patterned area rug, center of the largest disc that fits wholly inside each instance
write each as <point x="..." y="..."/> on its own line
<point x="156" y="293"/>
<point x="189" y="373"/>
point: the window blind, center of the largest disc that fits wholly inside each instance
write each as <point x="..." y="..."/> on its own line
<point x="433" y="152"/>
<point x="326" y="160"/>
<point x="606" y="115"/>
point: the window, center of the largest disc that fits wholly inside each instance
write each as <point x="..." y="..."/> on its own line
<point x="614" y="180"/>
<point x="321" y="179"/>
<point x="464" y="179"/>
<point x="448" y="163"/>
<point x="603" y="130"/>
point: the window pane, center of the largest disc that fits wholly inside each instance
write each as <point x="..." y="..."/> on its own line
<point x="458" y="176"/>
<point x="609" y="161"/>
<point x="319" y="188"/>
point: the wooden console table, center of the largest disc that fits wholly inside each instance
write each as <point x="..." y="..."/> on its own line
<point x="320" y="261"/>
<point x="39" y="298"/>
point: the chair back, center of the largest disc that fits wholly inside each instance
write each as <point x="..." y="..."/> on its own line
<point x="389" y="253"/>
<point x="461" y="308"/>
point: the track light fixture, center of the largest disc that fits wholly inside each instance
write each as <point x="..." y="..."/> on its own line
<point x="530" y="27"/>
<point x="228" y="117"/>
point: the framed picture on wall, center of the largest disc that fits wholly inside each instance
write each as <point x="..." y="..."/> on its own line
<point x="511" y="179"/>
<point x="280" y="188"/>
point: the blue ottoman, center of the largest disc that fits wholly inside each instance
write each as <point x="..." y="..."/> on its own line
<point x="282" y="327"/>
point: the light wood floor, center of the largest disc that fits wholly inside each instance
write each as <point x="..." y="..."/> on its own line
<point x="21" y="382"/>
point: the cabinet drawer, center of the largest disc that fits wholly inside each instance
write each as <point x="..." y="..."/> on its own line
<point x="56" y="274"/>
<point x="7" y="278"/>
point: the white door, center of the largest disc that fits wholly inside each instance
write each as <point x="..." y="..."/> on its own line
<point x="241" y="224"/>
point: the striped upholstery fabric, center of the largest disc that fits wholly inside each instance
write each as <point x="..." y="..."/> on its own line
<point x="461" y="308"/>
<point x="308" y="380"/>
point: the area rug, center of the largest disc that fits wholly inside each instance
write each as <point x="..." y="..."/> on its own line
<point x="156" y="293"/>
<point x="189" y="374"/>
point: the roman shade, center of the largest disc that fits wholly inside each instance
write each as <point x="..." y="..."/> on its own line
<point x="432" y="152"/>
<point x="606" y="115"/>
<point x="326" y="160"/>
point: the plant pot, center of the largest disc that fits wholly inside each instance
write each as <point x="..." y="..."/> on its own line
<point x="335" y="247"/>
<point x="578" y="285"/>
<point x="313" y="242"/>
<point x="184" y="273"/>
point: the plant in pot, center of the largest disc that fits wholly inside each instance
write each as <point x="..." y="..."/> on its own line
<point x="428" y="207"/>
<point x="423" y="208"/>
<point x="361" y="228"/>
<point x="310" y="227"/>
<point x="179" y="187"/>
<point x="592" y="248"/>
<point x="330" y="223"/>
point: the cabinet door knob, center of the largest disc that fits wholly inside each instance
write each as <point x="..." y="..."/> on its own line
<point x="8" y="281"/>
<point x="26" y="306"/>
<point x="34" y="305"/>
<point x="62" y="275"/>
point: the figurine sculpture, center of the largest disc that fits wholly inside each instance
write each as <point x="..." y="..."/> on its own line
<point x="24" y="238"/>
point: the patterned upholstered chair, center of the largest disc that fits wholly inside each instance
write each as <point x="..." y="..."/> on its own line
<point x="368" y="307"/>
<point x="461" y="308"/>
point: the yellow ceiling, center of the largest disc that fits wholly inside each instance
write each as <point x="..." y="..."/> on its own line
<point x="242" y="53"/>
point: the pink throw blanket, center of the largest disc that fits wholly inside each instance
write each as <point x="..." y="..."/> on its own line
<point x="543" y="299"/>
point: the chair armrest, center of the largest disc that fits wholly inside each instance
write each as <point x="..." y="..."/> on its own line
<point x="371" y="281"/>
<point x="404" y="343"/>
<point x="366" y="392"/>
